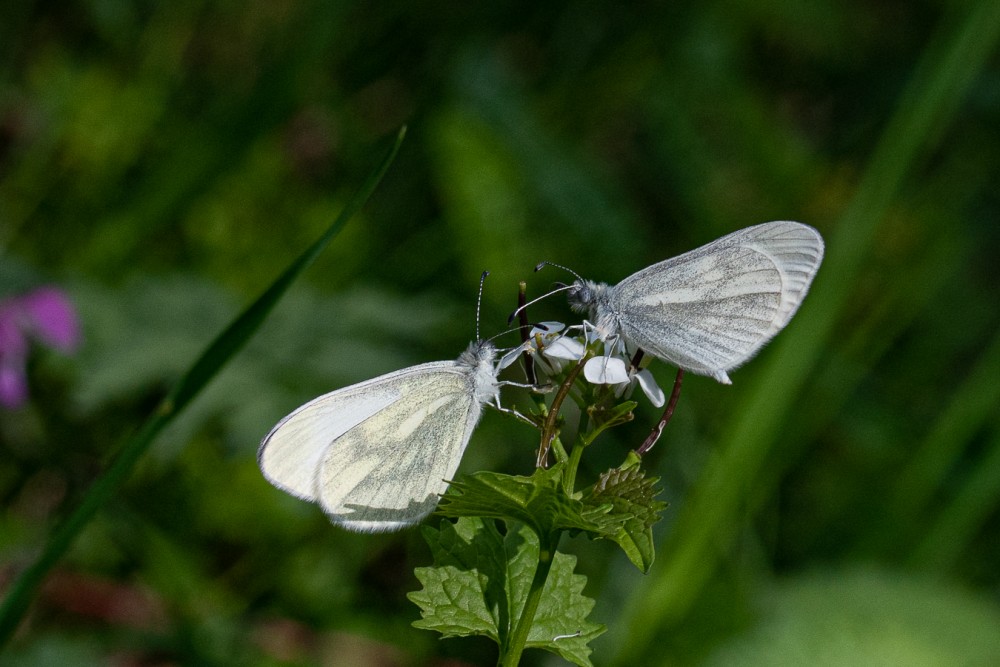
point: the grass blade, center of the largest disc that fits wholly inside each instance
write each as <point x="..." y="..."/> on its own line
<point x="208" y="365"/>
<point x="711" y="516"/>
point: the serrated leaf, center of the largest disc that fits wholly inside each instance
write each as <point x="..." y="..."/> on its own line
<point x="561" y="624"/>
<point x="490" y="561"/>
<point x="634" y="506"/>
<point x="465" y="592"/>
<point x="539" y="501"/>
<point x="480" y="581"/>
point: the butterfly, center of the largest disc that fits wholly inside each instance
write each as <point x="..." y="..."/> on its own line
<point x="376" y="455"/>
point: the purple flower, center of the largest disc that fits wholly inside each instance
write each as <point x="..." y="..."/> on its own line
<point x="44" y="315"/>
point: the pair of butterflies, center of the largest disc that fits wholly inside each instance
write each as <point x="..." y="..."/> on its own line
<point x="376" y="455"/>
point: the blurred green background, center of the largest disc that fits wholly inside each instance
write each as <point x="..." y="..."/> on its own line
<point x="163" y="162"/>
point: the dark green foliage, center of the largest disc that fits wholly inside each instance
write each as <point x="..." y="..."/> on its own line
<point x="480" y="581"/>
<point x="165" y="161"/>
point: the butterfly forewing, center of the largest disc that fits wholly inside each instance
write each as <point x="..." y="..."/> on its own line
<point x="711" y="309"/>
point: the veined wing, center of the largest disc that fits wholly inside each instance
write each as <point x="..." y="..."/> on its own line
<point x="388" y="471"/>
<point x="290" y="455"/>
<point x="711" y="309"/>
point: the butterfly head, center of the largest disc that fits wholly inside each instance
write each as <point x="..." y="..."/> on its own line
<point x="585" y="295"/>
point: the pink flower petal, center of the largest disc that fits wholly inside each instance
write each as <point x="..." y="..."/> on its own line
<point x="13" y="344"/>
<point x="51" y="318"/>
<point x="13" y="386"/>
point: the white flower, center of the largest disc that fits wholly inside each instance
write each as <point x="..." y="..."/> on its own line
<point x="605" y="370"/>
<point x="649" y="387"/>
<point x="565" y="347"/>
<point x="612" y="370"/>
<point x="549" y="342"/>
<point x="545" y="338"/>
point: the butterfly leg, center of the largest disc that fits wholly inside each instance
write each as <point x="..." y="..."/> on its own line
<point x="513" y="411"/>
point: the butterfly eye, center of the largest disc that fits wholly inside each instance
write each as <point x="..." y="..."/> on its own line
<point x="579" y="296"/>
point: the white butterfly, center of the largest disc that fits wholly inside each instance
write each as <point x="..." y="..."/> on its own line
<point x="711" y="309"/>
<point x="376" y="455"/>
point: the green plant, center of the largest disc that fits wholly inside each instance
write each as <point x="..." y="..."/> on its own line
<point x="497" y="570"/>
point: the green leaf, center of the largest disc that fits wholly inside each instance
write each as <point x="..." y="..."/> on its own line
<point x="471" y="571"/>
<point x="201" y="372"/>
<point x="633" y="503"/>
<point x="561" y="624"/>
<point x="539" y="501"/>
<point x="480" y="582"/>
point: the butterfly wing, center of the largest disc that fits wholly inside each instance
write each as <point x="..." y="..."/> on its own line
<point x="375" y="455"/>
<point x="711" y="309"/>
<point x="291" y="453"/>
<point x="388" y="471"/>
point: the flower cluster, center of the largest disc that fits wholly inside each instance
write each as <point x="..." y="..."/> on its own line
<point x="552" y="343"/>
<point x="44" y="315"/>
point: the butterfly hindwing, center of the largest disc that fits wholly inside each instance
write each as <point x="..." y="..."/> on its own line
<point x="388" y="471"/>
<point x="376" y="455"/>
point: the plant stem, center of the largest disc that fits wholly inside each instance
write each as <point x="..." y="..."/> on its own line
<point x="569" y="477"/>
<point x="549" y="428"/>
<point x="558" y="449"/>
<point x="667" y="414"/>
<point x="515" y="646"/>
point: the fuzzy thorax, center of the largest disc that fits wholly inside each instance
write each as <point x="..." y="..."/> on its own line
<point x="478" y="358"/>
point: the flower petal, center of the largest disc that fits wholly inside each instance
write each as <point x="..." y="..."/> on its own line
<point x="13" y="386"/>
<point x="565" y="348"/>
<point x="544" y="328"/>
<point x="51" y="318"/>
<point x="605" y="370"/>
<point x="649" y="387"/>
<point x="13" y="344"/>
<point x="509" y="358"/>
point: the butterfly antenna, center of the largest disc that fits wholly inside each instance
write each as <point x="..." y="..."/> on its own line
<point x="520" y="327"/>
<point x="560" y="288"/>
<point x="542" y="265"/>
<point x="479" y="301"/>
